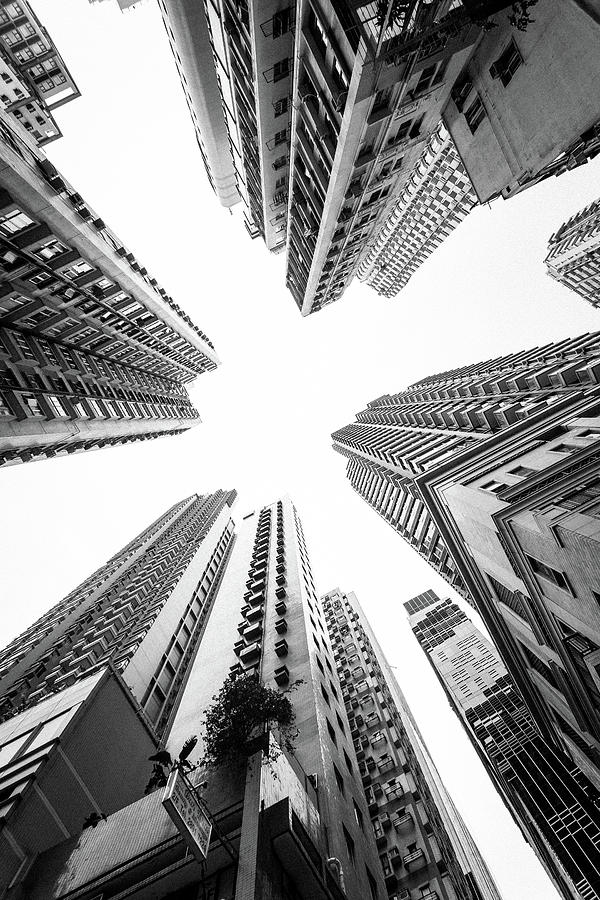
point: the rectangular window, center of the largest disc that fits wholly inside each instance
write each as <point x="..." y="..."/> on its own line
<point x="349" y="846"/>
<point x="339" y="779"/>
<point x="550" y="574"/>
<point x="282" y="22"/>
<point x="281" y="69"/>
<point x="281" y="106"/>
<point x="475" y="114"/>
<point x="281" y="137"/>
<point x="507" y="64"/>
<point x="522" y="472"/>
<point x="494" y="487"/>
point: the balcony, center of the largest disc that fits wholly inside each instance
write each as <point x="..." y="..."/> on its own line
<point x="250" y="653"/>
<point x="415" y="860"/>
<point x="281" y="675"/>
<point x="281" y="647"/>
<point x="281" y="626"/>
<point x="280" y="593"/>
<point x="404" y="822"/>
<point x="280" y="608"/>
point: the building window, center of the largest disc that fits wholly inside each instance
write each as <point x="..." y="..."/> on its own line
<point x="14" y="221"/>
<point x="331" y="732"/>
<point x="550" y="574"/>
<point x="349" y="846"/>
<point x="281" y="106"/>
<point x="358" y="816"/>
<point x="475" y="114"/>
<point x="348" y="762"/>
<point x="522" y="472"/>
<point x="339" y="779"/>
<point x="507" y="64"/>
<point x="282" y="22"/>
<point x="372" y="884"/>
<point x="281" y="69"/>
<point x="325" y="696"/>
<point x="493" y="487"/>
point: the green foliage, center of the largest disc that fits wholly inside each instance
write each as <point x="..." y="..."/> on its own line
<point x="243" y="710"/>
<point x="164" y="763"/>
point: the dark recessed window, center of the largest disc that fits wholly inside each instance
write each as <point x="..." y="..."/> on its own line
<point x="545" y="571"/>
<point x="507" y="64"/>
<point x="475" y="114"/>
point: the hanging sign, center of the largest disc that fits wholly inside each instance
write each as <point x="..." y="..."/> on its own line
<point x="183" y="807"/>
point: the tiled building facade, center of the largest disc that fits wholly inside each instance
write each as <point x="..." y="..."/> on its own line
<point x="491" y="473"/>
<point x="93" y="351"/>
<point x="425" y="850"/>
<point x="574" y="254"/>
<point x="317" y="116"/>
<point x="551" y="800"/>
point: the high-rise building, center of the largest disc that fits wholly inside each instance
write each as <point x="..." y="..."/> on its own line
<point x="574" y="253"/>
<point x="491" y="473"/>
<point x="425" y="849"/>
<point x="180" y="611"/>
<point x="554" y="804"/>
<point x="35" y="79"/>
<point x="143" y="611"/>
<point x="93" y="352"/>
<point x="435" y="199"/>
<point x="317" y="117"/>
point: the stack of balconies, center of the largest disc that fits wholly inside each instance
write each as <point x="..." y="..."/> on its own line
<point x="281" y="674"/>
<point x="249" y="647"/>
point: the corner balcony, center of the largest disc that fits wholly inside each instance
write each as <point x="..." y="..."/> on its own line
<point x="250" y="653"/>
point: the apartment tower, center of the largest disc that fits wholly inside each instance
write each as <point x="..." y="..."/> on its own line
<point x="491" y="473"/>
<point x="553" y="803"/>
<point x="35" y="79"/>
<point x="317" y="115"/>
<point x="187" y="605"/>
<point x="425" y="849"/>
<point x="574" y="253"/>
<point x="93" y="351"/>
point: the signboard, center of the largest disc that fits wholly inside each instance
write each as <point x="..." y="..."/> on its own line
<point x="185" y="810"/>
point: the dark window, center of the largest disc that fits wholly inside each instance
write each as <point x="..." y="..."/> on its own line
<point x="358" y="816"/>
<point x="325" y="696"/>
<point x="281" y="137"/>
<point x="461" y="90"/>
<point x="348" y="763"/>
<point x="349" y="846"/>
<point x="331" y="732"/>
<point x="550" y="574"/>
<point x="340" y="723"/>
<point x="372" y="885"/>
<point x="282" y="22"/>
<point x="338" y="778"/>
<point x="281" y="106"/>
<point x="281" y="69"/>
<point x="475" y="114"/>
<point x="507" y="64"/>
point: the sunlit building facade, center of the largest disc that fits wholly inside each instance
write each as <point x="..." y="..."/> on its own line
<point x="93" y="351"/>
<point x="553" y="803"/>
<point x="190" y="602"/>
<point x="491" y="473"/>
<point x="435" y="199"/>
<point x="574" y="253"/>
<point x="34" y="78"/>
<point x="319" y="118"/>
<point x="425" y="849"/>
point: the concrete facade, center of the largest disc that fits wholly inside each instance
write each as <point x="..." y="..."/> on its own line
<point x="425" y="849"/>
<point x="93" y="351"/>
<point x="495" y="467"/>
<point x="574" y="254"/>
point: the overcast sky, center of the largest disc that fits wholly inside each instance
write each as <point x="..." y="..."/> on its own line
<point x="285" y="382"/>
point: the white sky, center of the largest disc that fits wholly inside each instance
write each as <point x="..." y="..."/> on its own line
<point x="285" y="382"/>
